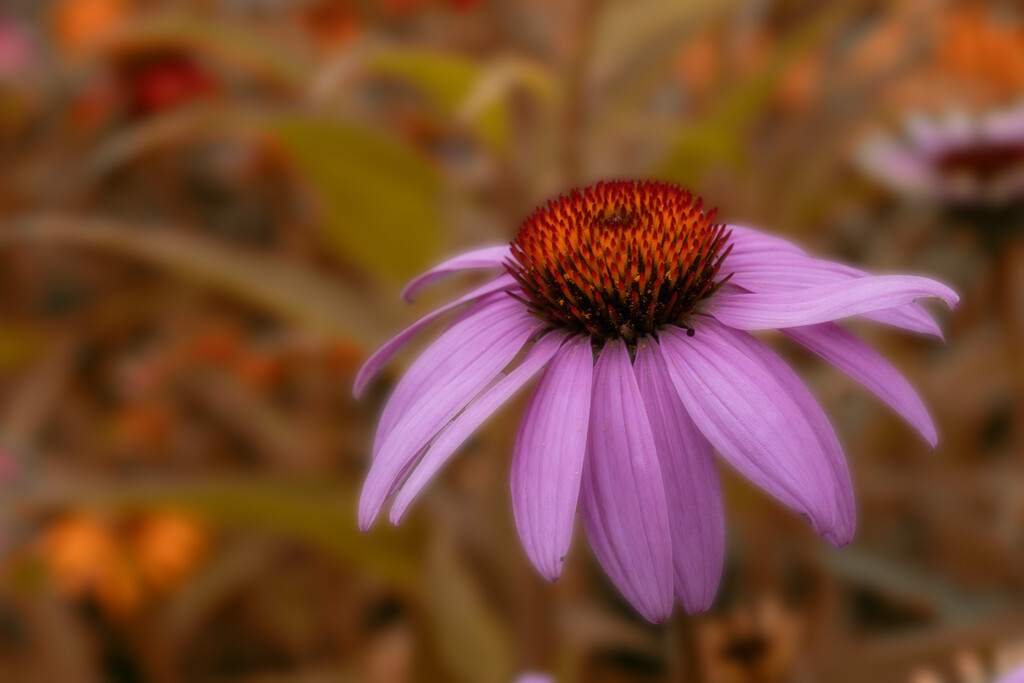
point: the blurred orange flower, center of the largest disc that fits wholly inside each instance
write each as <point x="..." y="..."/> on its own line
<point x="330" y="23"/>
<point x="974" y="45"/>
<point x="78" y="550"/>
<point x="83" y="26"/>
<point x="166" y="547"/>
<point x="122" y="563"/>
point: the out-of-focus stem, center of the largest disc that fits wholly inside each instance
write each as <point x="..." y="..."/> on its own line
<point x="574" y="118"/>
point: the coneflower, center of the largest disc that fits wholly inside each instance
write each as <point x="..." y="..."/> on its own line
<point x="634" y="309"/>
<point x="957" y="159"/>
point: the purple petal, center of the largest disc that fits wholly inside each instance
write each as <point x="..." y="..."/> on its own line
<point x="785" y="272"/>
<point x="456" y="433"/>
<point x="488" y="257"/>
<point x="824" y="303"/>
<point x="375" y="362"/>
<point x="548" y="458"/>
<point x="862" y="363"/>
<point x="442" y="381"/>
<point x="622" y="497"/>
<point x="750" y="242"/>
<point x="694" y="497"/>
<point x="911" y="317"/>
<point x="422" y="376"/>
<point x="750" y="418"/>
<point x="846" y="521"/>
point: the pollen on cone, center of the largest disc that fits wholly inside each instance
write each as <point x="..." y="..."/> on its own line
<point x="619" y="259"/>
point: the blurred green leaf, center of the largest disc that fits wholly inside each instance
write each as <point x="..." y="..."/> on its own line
<point x="19" y="346"/>
<point x="470" y="639"/>
<point x="486" y="106"/>
<point x="243" y="49"/>
<point x="380" y="201"/>
<point x="460" y="87"/>
<point x="373" y="192"/>
<point x="299" y="295"/>
<point x="444" y="77"/>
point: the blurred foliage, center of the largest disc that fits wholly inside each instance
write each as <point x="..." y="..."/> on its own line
<point x="374" y="192"/>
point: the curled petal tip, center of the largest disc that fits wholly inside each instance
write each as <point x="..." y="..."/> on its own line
<point x="948" y="295"/>
<point x="363" y="378"/>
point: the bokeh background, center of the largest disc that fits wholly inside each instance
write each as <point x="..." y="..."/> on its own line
<point x="208" y="207"/>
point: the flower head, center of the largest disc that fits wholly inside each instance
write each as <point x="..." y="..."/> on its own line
<point x="611" y="261"/>
<point x="957" y="160"/>
<point x="634" y="309"/>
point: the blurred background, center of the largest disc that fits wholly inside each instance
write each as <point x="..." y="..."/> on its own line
<point x="208" y="208"/>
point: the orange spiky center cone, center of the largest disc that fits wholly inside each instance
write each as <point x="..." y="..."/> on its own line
<point x="619" y="259"/>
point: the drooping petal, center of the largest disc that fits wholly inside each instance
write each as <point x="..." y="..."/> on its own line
<point x="547" y="463"/>
<point x="377" y="361"/>
<point x="463" y="426"/>
<point x="751" y="420"/>
<point x="824" y="303"/>
<point x="862" y="363"/>
<point x="786" y="272"/>
<point x="910" y="317"/>
<point x="750" y="242"/>
<point x="488" y="257"/>
<point x="441" y="383"/>
<point x="846" y="510"/>
<point x="425" y="372"/>
<point x="622" y="498"/>
<point x="692" y="490"/>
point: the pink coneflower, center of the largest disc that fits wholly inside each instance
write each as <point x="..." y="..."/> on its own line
<point x="957" y="159"/>
<point x="633" y="307"/>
